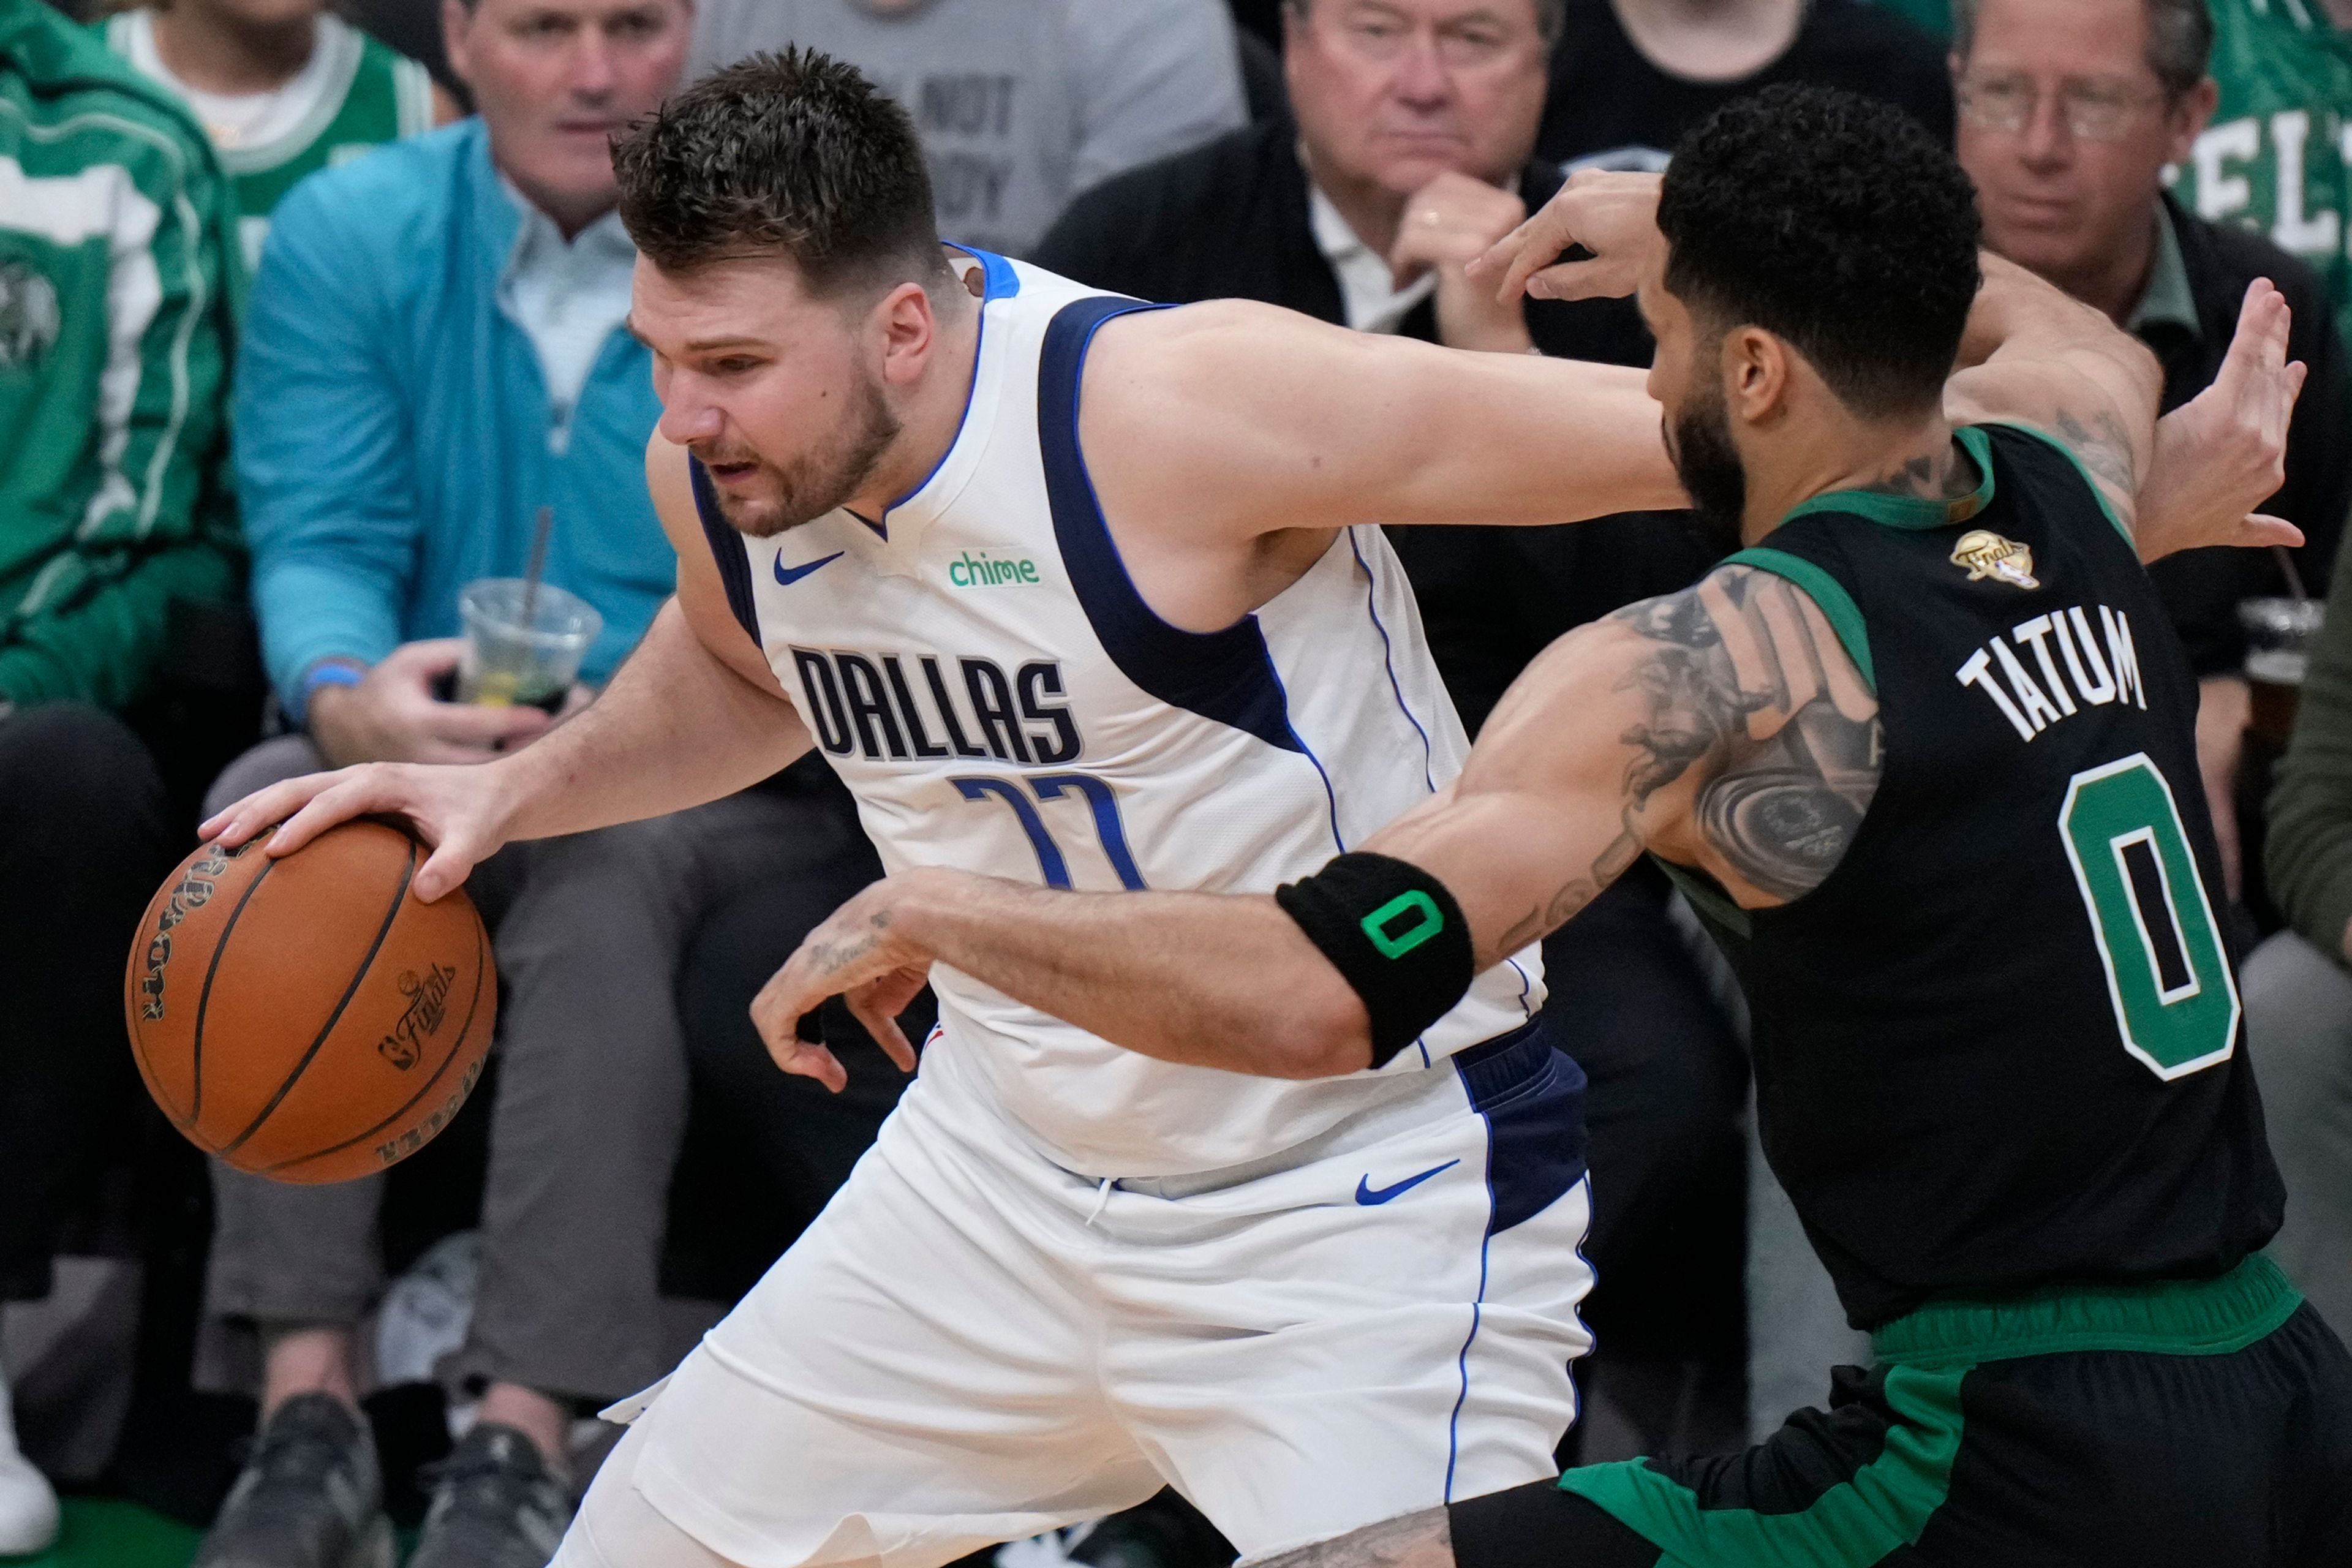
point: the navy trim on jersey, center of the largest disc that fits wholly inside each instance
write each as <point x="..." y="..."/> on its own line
<point x="728" y="549"/>
<point x="997" y="281"/>
<point x="1388" y="659"/>
<point x="1228" y="675"/>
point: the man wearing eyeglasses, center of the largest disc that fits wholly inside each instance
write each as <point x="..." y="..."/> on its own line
<point x="2071" y="111"/>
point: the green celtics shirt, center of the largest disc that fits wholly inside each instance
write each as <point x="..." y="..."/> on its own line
<point x="354" y="94"/>
<point x="119" y="290"/>
<point x="2276" y="155"/>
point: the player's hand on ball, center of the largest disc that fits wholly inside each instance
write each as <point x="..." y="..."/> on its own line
<point x="459" y="810"/>
<point x="857" y="954"/>
<point x="2223" y="452"/>
<point x="1613" y="215"/>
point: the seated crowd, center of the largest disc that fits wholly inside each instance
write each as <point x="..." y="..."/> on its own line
<point x="299" y="337"/>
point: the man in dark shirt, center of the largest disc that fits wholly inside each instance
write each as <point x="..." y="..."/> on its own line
<point x="1410" y="150"/>
<point x="2070" y="111"/>
<point x="1630" y="77"/>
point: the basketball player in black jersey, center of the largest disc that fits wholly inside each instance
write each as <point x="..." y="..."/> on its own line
<point x="1923" y="756"/>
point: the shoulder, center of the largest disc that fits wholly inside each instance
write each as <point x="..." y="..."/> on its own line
<point x="383" y="203"/>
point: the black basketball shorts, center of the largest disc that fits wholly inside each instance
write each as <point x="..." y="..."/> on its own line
<point x="2190" y="1423"/>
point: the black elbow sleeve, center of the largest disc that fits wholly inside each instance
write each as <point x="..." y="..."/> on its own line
<point x="1394" y="934"/>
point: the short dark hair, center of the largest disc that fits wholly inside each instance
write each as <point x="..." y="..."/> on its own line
<point x="795" y="154"/>
<point x="2179" y="41"/>
<point x="1835" y="222"/>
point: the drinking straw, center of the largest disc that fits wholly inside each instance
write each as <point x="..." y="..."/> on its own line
<point x="538" y="568"/>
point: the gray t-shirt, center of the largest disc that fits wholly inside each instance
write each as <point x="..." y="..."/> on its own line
<point x="1022" y="104"/>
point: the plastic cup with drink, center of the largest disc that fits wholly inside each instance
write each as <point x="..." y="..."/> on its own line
<point x="2279" y="634"/>
<point x="524" y="642"/>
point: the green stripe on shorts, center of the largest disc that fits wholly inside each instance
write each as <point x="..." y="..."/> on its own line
<point x="1853" y="1524"/>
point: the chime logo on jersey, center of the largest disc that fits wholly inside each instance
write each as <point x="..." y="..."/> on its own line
<point x="889" y="707"/>
<point x="1987" y="554"/>
<point x="981" y="570"/>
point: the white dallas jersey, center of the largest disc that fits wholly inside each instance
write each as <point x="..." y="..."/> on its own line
<point x="999" y="698"/>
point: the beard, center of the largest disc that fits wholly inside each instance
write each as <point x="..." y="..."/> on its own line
<point x="817" y="481"/>
<point x="1699" y="440"/>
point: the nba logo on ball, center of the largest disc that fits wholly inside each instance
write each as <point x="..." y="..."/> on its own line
<point x="307" y="1018"/>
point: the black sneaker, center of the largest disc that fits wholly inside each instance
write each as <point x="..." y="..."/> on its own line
<point x="495" y="1505"/>
<point x="310" y="1495"/>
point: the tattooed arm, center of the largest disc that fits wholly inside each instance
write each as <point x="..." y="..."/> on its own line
<point x="1424" y="1539"/>
<point x="1723" y="727"/>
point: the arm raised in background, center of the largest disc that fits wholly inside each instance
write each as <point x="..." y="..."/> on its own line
<point x="1724" y="727"/>
<point x="694" y="714"/>
<point x="2031" y="356"/>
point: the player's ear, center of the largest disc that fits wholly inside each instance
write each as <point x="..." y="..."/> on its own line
<point x="909" y="331"/>
<point x="1755" y="373"/>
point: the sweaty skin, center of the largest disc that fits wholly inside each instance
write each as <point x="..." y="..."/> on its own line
<point x="1723" y="728"/>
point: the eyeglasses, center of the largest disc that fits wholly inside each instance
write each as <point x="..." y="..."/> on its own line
<point x="2093" y="111"/>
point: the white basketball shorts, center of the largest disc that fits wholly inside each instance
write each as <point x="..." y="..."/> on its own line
<point x="971" y="1344"/>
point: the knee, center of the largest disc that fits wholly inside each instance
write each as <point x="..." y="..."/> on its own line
<point x="2298" y="1017"/>
<point x="62" y="764"/>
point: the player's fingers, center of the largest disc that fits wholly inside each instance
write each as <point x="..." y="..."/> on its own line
<point x="2262" y="530"/>
<point x="790" y="993"/>
<point x="351" y="797"/>
<point x="1573" y="280"/>
<point x="804" y="1061"/>
<point x="264" y="808"/>
<point x="449" y="863"/>
<point x="871" y="1008"/>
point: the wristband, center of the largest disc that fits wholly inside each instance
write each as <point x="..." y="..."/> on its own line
<point x="1394" y="934"/>
<point x="331" y="672"/>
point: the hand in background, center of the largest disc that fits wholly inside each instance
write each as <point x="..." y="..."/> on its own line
<point x="1449" y="224"/>
<point x="393" y="715"/>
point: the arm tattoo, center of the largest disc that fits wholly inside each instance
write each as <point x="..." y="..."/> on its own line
<point x="2104" y="446"/>
<point x="1744" y="692"/>
<point x="1416" y="1541"/>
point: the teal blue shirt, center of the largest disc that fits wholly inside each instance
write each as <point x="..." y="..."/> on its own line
<point x="395" y="437"/>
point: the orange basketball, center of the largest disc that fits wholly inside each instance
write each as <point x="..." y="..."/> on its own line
<point x="307" y="1018"/>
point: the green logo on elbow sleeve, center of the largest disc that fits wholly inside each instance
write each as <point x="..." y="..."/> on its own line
<point x="1383" y="925"/>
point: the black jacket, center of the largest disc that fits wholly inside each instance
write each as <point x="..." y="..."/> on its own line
<point x="2200" y="588"/>
<point x="1230" y="220"/>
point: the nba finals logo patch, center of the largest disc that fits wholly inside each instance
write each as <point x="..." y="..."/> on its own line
<point x="1987" y="554"/>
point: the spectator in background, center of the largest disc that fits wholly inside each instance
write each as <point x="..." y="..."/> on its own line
<point x="2070" y="111"/>
<point x="283" y="88"/>
<point x="1629" y="76"/>
<point x="438" y="349"/>
<point x="1412" y="150"/>
<point x="1021" y="104"/>
<point x="118" y="284"/>
<point x="2297" y="995"/>
<point x="2274" y="154"/>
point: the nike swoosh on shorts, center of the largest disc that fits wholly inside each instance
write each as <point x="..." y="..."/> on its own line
<point x="1369" y="1194"/>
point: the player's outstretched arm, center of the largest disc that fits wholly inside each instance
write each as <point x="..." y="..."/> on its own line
<point x="1263" y="420"/>
<point x="2034" y="356"/>
<point x="694" y="714"/>
<point x="1724" y="727"/>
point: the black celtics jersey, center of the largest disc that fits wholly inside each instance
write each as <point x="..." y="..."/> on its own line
<point x="2000" y="1047"/>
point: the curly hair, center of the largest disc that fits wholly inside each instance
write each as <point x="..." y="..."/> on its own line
<point x="793" y="154"/>
<point x="1836" y="223"/>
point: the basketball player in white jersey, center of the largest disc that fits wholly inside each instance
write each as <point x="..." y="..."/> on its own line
<point x="1077" y="592"/>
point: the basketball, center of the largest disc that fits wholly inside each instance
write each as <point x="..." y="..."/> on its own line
<point x="307" y="1018"/>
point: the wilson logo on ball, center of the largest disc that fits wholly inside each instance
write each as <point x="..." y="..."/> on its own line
<point x="192" y="892"/>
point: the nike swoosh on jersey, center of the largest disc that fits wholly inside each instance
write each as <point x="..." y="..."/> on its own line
<point x="787" y="575"/>
<point x="1369" y="1194"/>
